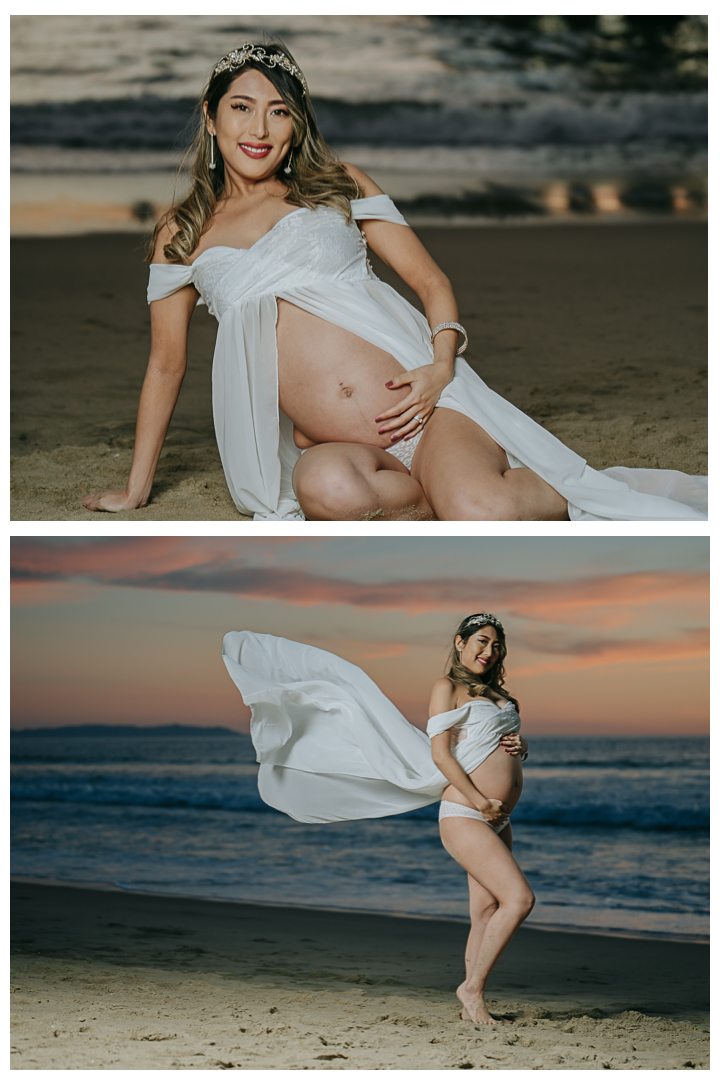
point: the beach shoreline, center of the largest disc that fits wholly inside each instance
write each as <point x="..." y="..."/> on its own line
<point x="456" y="920"/>
<point x="598" y="334"/>
<point x="104" y="978"/>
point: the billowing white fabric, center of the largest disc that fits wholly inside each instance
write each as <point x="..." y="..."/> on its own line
<point x="331" y="746"/>
<point x="315" y="260"/>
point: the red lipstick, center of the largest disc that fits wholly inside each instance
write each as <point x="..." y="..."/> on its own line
<point x="255" y="150"/>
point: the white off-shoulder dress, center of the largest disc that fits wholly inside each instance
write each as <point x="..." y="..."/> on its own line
<point x="332" y="747"/>
<point x="315" y="260"/>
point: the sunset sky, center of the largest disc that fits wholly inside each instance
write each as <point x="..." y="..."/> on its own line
<point x="605" y="635"/>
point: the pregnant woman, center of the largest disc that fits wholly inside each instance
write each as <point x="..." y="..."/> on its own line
<point x="333" y="398"/>
<point x="332" y="747"/>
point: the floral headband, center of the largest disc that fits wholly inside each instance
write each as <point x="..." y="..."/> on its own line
<point x="484" y="620"/>
<point x="238" y="57"/>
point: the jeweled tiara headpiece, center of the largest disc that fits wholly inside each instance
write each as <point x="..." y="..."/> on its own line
<point x="483" y="620"/>
<point x="238" y="57"/>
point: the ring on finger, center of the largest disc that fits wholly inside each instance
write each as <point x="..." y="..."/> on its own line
<point x="418" y="418"/>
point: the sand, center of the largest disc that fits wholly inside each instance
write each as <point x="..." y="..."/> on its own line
<point x="103" y="979"/>
<point x="598" y="332"/>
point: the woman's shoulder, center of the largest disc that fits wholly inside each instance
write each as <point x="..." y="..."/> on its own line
<point x="166" y="229"/>
<point x="442" y="697"/>
<point x="367" y="185"/>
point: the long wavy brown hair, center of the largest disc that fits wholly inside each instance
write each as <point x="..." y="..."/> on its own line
<point x="495" y="679"/>
<point x="316" y="178"/>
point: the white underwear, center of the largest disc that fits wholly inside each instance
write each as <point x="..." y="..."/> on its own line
<point x="404" y="451"/>
<point x="453" y="809"/>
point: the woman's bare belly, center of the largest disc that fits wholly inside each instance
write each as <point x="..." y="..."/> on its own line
<point x="499" y="777"/>
<point x="331" y="382"/>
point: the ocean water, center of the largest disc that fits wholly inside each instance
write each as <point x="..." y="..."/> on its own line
<point x="611" y="833"/>
<point x="486" y="118"/>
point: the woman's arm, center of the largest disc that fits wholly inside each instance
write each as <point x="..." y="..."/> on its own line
<point x="454" y="772"/>
<point x="169" y="322"/>
<point x="400" y="249"/>
<point x="442" y="700"/>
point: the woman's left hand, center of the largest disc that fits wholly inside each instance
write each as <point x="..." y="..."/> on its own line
<point x="426" y="385"/>
<point x="514" y="744"/>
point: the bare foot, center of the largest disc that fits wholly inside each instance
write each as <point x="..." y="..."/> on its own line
<point x="474" y="1007"/>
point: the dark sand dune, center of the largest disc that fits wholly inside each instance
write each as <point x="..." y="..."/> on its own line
<point x="115" y="980"/>
<point x="597" y="332"/>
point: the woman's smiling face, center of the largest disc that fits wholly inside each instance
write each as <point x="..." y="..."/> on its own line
<point x="253" y="127"/>
<point x="480" y="651"/>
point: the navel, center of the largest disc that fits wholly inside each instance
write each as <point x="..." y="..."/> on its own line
<point x="346" y="391"/>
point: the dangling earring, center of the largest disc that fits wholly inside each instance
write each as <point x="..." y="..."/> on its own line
<point x="288" y="168"/>
<point x="212" y="150"/>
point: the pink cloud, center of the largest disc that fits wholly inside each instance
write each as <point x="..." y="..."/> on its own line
<point x="691" y="645"/>
<point x="110" y="560"/>
<point x="229" y="565"/>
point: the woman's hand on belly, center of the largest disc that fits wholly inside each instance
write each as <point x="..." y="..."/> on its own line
<point x="495" y="811"/>
<point x="426" y="385"/>
<point x="485" y="805"/>
<point x="332" y="384"/>
<point x="512" y="744"/>
<point x="335" y="409"/>
<point x="499" y="777"/>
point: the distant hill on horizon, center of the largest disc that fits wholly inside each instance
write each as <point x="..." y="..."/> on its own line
<point x="127" y="729"/>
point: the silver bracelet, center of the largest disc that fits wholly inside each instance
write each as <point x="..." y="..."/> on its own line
<point x="451" y="326"/>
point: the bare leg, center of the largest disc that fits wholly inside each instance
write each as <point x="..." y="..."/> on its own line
<point x="482" y="906"/>
<point x="487" y="859"/>
<point x="466" y="476"/>
<point x="354" y="482"/>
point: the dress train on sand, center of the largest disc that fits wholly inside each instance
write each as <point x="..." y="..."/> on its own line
<point x="315" y="260"/>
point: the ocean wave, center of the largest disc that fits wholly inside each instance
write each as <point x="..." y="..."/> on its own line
<point x="694" y="763"/>
<point x="607" y="815"/>
<point x="671" y="753"/>
<point x="557" y="121"/>
<point x="141" y="792"/>
<point x="634" y="783"/>
<point x="636" y="812"/>
<point x="155" y="123"/>
<point x="652" y="817"/>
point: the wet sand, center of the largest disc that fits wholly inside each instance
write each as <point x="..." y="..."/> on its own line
<point x="103" y="979"/>
<point x="598" y="332"/>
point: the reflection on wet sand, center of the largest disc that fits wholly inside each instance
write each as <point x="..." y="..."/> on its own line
<point x="57" y="204"/>
<point x="564" y="200"/>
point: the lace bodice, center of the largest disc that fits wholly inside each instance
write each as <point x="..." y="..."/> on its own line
<point x="304" y="249"/>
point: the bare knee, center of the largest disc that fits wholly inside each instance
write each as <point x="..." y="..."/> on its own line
<point x="332" y="490"/>
<point x="482" y="910"/>
<point x="520" y="903"/>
